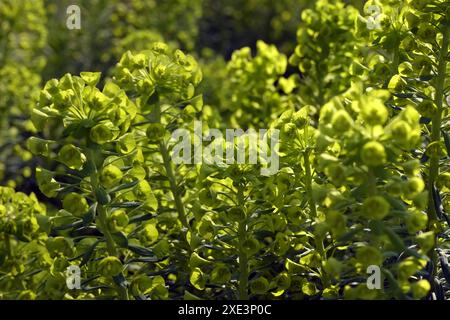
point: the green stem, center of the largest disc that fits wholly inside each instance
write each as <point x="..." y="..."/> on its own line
<point x="243" y="259"/>
<point x="308" y="184"/>
<point x="102" y="220"/>
<point x="156" y="113"/>
<point x="395" y="63"/>
<point x="312" y="208"/>
<point x="102" y="223"/>
<point x="436" y="123"/>
<point x="372" y="183"/>
<point x="173" y="185"/>
<point x="436" y="137"/>
<point x="9" y="251"/>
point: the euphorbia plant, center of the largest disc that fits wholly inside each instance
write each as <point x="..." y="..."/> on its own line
<point x="375" y="191"/>
<point x="101" y="180"/>
<point x="414" y="36"/>
<point x="253" y="95"/>
<point x="24" y="260"/>
<point x="238" y="236"/>
<point x="162" y="83"/>
<point x="113" y="150"/>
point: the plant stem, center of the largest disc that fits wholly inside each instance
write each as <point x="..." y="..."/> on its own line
<point x="372" y="183"/>
<point x="102" y="223"/>
<point x="173" y="185"/>
<point x="436" y="123"/>
<point x="313" y="210"/>
<point x="436" y="137"/>
<point x="9" y="252"/>
<point x="308" y="184"/>
<point x="102" y="219"/>
<point x="169" y="171"/>
<point x="243" y="259"/>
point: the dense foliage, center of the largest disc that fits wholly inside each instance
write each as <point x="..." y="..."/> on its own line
<point x="357" y="90"/>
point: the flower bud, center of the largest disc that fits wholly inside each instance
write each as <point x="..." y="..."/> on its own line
<point x="58" y="246"/>
<point x="104" y="132"/>
<point x="426" y="240"/>
<point x="420" y="289"/>
<point x="443" y="181"/>
<point x="142" y="190"/>
<point x="374" y="112"/>
<point x="110" y="266"/>
<point x="149" y="234"/>
<point x="110" y="176"/>
<point x="118" y="220"/>
<point x="141" y="285"/>
<point x="407" y="268"/>
<point x="375" y="207"/>
<point x="373" y="154"/>
<point x="414" y="186"/>
<point x="336" y="221"/>
<point x="368" y="255"/>
<point x="251" y="246"/>
<point x="400" y="131"/>
<point x="259" y="286"/>
<point x="426" y="32"/>
<point x="336" y="172"/>
<point x="155" y="132"/>
<point x="341" y="121"/>
<point x="72" y="157"/>
<point x="221" y="274"/>
<point x="416" y="221"/>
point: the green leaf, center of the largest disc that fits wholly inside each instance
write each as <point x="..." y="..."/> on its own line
<point x="44" y="222"/>
<point x="142" y="217"/>
<point x="131" y="204"/>
<point x="121" y="239"/>
<point x="190" y="296"/>
<point x="447" y="141"/>
<point x="198" y="279"/>
<point x="141" y="250"/>
<point x="124" y="186"/>
<point x="88" y="254"/>
<point x="90" y="215"/>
